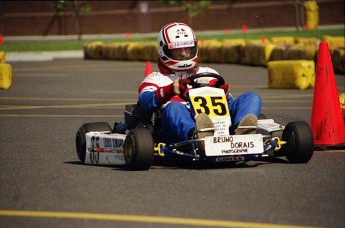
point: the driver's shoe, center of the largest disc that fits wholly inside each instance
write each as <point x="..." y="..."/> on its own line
<point x="203" y="121"/>
<point x="249" y="120"/>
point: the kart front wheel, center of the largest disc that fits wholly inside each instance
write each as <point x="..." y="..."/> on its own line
<point x="80" y="139"/>
<point x="139" y="149"/>
<point x="299" y="147"/>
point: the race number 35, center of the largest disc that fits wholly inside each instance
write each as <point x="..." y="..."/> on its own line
<point x="212" y="106"/>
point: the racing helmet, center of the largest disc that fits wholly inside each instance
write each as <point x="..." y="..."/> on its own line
<point x="177" y="36"/>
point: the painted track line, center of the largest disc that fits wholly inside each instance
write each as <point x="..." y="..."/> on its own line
<point x="140" y="219"/>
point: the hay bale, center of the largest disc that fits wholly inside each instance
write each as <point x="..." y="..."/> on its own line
<point x="300" y="52"/>
<point x="338" y="60"/>
<point x="279" y="52"/>
<point x="334" y="42"/>
<point x="256" y="54"/>
<point x="307" y="42"/>
<point x="291" y="74"/>
<point x="93" y="50"/>
<point x="287" y="40"/>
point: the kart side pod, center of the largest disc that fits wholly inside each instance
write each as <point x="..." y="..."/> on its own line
<point x="97" y="146"/>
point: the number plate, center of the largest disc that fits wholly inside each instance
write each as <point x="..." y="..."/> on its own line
<point x="212" y="101"/>
<point x="233" y="145"/>
<point x="208" y="100"/>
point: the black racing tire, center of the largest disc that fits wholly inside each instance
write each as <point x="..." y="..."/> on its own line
<point x="139" y="149"/>
<point x="80" y="139"/>
<point x="300" y="142"/>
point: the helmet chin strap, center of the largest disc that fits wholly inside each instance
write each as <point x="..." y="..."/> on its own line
<point x="165" y="70"/>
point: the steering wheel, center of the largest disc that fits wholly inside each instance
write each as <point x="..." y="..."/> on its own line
<point x="204" y="75"/>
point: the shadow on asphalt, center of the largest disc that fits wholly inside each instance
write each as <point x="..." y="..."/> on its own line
<point x="185" y="163"/>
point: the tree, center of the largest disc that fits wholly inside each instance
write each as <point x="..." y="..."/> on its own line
<point x="192" y="7"/>
<point x="76" y="7"/>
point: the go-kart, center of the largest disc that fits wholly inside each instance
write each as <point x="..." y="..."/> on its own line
<point x="136" y="142"/>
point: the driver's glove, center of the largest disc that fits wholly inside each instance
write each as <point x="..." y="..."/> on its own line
<point x="225" y="86"/>
<point x="165" y="93"/>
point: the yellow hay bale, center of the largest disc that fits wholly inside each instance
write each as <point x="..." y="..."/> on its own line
<point x="253" y="41"/>
<point x="134" y="51"/>
<point x="312" y="41"/>
<point x="2" y="57"/>
<point x="93" y="50"/>
<point x="120" y="51"/>
<point x="232" y="53"/>
<point x="279" y="52"/>
<point x="233" y="42"/>
<point x="256" y="54"/>
<point x="150" y="51"/>
<point x="288" y="40"/>
<point x="206" y="52"/>
<point x="291" y="74"/>
<point x="106" y="51"/>
<point x="300" y="52"/>
<point x="338" y="60"/>
<point x="334" y="41"/>
<point x="5" y="76"/>
<point x="342" y="103"/>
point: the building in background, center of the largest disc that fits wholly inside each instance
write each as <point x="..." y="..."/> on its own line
<point x="19" y="18"/>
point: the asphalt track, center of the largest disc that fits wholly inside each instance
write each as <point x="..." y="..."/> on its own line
<point x="42" y="183"/>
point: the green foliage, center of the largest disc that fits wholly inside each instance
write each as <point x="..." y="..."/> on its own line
<point x="192" y="7"/>
<point x="77" y="5"/>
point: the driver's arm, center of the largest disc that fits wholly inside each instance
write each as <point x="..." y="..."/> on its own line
<point x="148" y="101"/>
<point x="152" y="97"/>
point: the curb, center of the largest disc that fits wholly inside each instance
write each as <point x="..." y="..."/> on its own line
<point x="43" y="56"/>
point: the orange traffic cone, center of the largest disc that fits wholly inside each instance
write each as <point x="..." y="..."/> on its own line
<point x="148" y="69"/>
<point x="327" y="123"/>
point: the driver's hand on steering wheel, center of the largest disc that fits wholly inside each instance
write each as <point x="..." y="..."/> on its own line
<point x="178" y="87"/>
<point x="225" y="86"/>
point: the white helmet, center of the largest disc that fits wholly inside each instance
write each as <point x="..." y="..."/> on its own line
<point x="173" y="36"/>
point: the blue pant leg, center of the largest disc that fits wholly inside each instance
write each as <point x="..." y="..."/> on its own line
<point x="246" y="103"/>
<point x="176" y="122"/>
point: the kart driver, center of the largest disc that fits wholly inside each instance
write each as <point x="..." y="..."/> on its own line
<point x="178" y="60"/>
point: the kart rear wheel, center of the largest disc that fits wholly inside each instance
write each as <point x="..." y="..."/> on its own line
<point x="139" y="149"/>
<point x="300" y="142"/>
<point x="80" y="139"/>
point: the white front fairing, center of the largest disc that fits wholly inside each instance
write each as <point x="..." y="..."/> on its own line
<point x="103" y="148"/>
<point x="212" y="101"/>
<point x="269" y="125"/>
<point x="234" y="145"/>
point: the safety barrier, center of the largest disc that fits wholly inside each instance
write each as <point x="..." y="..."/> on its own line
<point x="291" y="74"/>
<point x="238" y="51"/>
<point x="5" y="72"/>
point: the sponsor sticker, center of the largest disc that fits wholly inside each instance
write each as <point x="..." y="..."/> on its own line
<point x="104" y="149"/>
<point x="233" y="145"/>
<point x="181" y="44"/>
<point x="230" y="158"/>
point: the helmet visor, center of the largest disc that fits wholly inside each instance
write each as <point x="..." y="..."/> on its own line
<point x="181" y="53"/>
